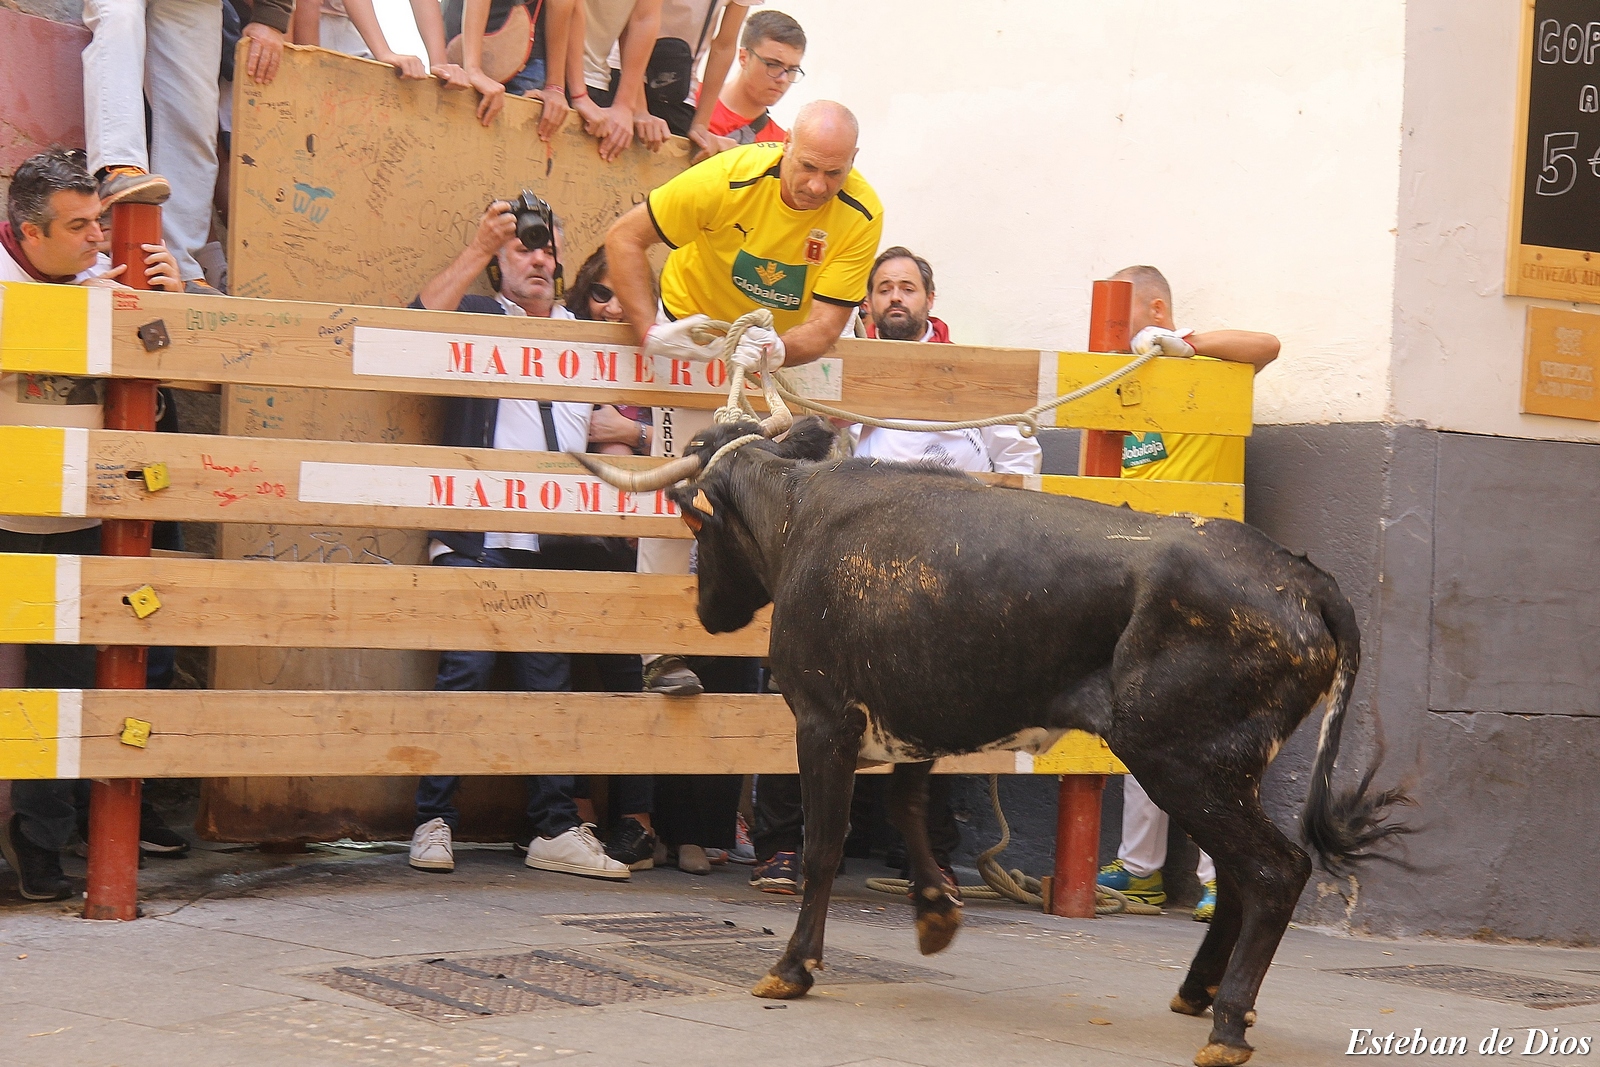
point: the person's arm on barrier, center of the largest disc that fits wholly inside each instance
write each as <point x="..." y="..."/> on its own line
<point x="306" y="27"/>
<point x="474" y="17"/>
<point x="627" y="244"/>
<point x="719" y="60"/>
<point x="608" y="426"/>
<point x="444" y="290"/>
<point x="638" y="41"/>
<point x="560" y="18"/>
<point x="1236" y="346"/>
<point x="269" y="21"/>
<point x="814" y="337"/>
<point x="429" y="18"/>
<point x="365" y="20"/>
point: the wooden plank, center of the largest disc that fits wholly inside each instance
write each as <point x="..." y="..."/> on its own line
<point x="79" y="600"/>
<point x="96" y="473"/>
<point x="47" y="733"/>
<point x="298" y="344"/>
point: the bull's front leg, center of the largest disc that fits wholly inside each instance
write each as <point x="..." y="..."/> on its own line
<point x="827" y="743"/>
<point x="938" y="908"/>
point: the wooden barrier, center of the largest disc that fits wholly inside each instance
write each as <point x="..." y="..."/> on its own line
<point x="66" y="733"/>
<point x="134" y="476"/>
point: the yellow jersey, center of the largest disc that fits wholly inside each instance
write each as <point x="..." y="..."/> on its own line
<point x="737" y="246"/>
<point x="1183" y="457"/>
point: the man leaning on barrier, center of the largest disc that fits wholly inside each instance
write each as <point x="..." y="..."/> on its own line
<point x="791" y="228"/>
<point x="1189" y="457"/>
<point x="52" y="234"/>
<point x="525" y="280"/>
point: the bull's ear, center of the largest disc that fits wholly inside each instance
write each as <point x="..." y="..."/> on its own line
<point x="810" y="438"/>
<point x="694" y="504"/>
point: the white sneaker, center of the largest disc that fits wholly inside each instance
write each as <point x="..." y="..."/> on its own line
<point x="577" y="851"/>
<point x="430" y="847"/>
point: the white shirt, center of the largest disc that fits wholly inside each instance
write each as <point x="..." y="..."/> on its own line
<point x="995" y="448"/>
<point x="518" y="427"/>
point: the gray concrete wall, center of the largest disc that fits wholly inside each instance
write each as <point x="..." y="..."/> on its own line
<point x="1472" y="563"/>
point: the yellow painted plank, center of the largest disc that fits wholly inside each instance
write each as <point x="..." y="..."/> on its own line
<point x="28" y="600"/>
<point x="1175" y="395"/>
<point x="44" y="328"/>
<point x="199" y="733"/>
<point x="1212" y="500"/>
<point x="32" y="469"/>
<point x="1078" y="753"/>
<point x="294" y="344"/>
<point x="31" y="734"/>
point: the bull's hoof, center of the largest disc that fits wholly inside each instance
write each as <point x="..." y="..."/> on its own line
<point x="1188" y="1007"/>
<point x="1250" y="1017"/>
<point x="772" y="987"/>
<point x="935" y="930"/>
<point x="1215" y="1055"/>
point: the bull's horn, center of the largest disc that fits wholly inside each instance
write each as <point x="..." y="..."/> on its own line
<point x="644" y="481"/>
<point x="780" y="419"/>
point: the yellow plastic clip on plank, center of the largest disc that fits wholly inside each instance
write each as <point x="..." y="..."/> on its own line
<point x="156" y="477"/>
<point x="135" y="732"/>
<point x="144" y="601"/>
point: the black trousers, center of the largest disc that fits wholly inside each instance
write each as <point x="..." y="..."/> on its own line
<point x="780" y="818"/>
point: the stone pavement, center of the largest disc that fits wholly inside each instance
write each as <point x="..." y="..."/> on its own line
<point x="347" y="956"/>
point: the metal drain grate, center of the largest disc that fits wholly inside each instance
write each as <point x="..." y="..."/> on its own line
<point x="657" y="926"/>
<point x="893" y="915"/>
<point x="466" y="987"/>
<point x="739" y="963"/>
<point x="1493" y="985"/>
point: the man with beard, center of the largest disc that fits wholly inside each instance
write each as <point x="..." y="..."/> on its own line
<point x="525" y="283"/>
<point x="899" y="308"/>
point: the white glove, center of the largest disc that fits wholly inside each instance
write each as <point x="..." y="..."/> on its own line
<point x="760" y="349"/>
<point x="1162" y="341"/>
<point x="675" y="340"/>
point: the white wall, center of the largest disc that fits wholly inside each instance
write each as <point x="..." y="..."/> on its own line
<point x="1458" y="338"/>
<point x="1248" y="148"/>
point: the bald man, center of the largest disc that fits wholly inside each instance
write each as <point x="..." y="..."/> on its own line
<point x="791" y="228"/>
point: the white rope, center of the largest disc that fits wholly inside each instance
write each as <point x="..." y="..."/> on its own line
<point x="773" y="384"/>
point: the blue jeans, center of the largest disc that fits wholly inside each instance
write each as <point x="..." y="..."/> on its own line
<point x="529" y="77"/>
<point x="47" y="809"/>
<point x="550" y="806"/>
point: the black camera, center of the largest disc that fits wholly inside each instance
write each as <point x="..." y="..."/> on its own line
<point x="536" y="222"/>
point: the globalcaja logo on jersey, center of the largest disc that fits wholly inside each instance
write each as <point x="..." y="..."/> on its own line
<point x="1139" y="449"/>
<point x="780" y="286"/>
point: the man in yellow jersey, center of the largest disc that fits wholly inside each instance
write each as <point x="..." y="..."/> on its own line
<point x="1187" y="457"/>
<point x="792" y="228"/>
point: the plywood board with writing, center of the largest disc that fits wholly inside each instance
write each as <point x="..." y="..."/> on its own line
<point x="352" y="185"/>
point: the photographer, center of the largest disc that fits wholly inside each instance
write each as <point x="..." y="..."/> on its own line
<point x="518" y="244"/>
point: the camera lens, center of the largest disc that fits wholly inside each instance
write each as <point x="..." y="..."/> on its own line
<point x="532" y="231"/>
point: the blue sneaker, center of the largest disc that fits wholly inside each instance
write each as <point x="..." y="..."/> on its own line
<point x="780" y="874"/>
<point x="1206" y="906"/>
<point x="1147" y="890"/>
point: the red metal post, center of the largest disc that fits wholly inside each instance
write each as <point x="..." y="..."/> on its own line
<point x="114" y="805"/>
<point x="1078" y="803"/>
<point x="1077" y="845"/>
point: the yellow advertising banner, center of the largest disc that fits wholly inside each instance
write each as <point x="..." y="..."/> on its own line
<point x="1561" y="360"/>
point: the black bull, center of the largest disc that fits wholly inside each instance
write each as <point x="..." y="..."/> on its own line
<point x="920" y="613"/>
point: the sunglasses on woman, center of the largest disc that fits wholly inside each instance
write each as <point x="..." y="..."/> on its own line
<point x="601" y="294"/>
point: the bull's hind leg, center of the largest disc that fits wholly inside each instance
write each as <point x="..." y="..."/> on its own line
<point x="827" y="749"/>
<point x="1199" y="988"/>
<point x="1268" y="873"/>
<point x="938" y="911"/>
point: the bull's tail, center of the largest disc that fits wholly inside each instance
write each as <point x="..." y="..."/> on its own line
<point x="1343" y="827"/>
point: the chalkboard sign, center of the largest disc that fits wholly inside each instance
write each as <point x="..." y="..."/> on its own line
<point x="1555" y="225"/>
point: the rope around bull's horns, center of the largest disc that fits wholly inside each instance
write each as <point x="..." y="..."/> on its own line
<point x="778" y="391"/>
